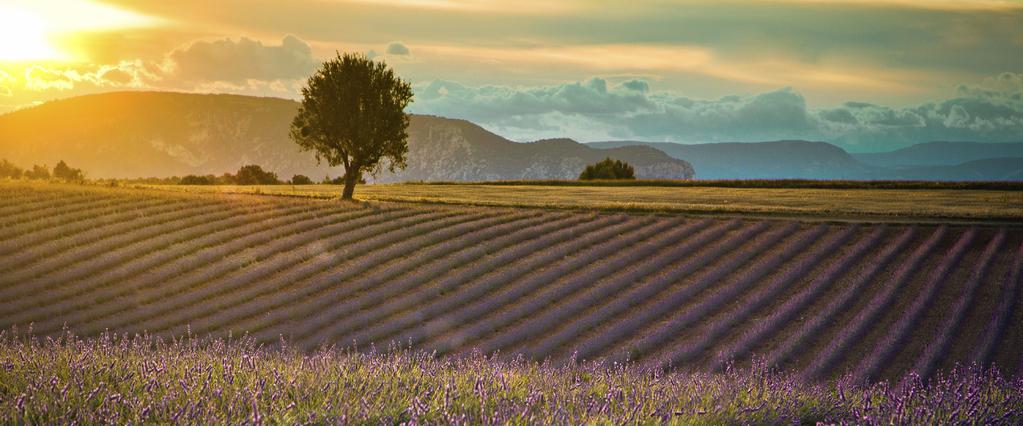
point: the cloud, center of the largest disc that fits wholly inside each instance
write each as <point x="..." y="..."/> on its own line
<point x="598" y="110"/>
<point x="44" y="78"/>
<point x="238" y="61"/>
<point x="398" y="49"/>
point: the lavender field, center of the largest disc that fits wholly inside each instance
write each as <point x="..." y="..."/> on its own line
<point x="819" y="300"/>
<point x="116" y="380"/>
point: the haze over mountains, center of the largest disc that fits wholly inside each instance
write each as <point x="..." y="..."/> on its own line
<point x="143" y="134"/>
<point x="819" y="160"/>
<point x="161" y="134"/>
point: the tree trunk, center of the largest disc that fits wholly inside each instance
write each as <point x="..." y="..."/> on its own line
<point x="351" y="178"/>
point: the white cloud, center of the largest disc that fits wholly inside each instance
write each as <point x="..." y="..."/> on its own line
<point x="238" y="61"/>
<point x="594" y="110"/>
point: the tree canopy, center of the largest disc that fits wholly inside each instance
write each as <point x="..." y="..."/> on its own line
<point x="63" y="172"/>
<point x="608" y="169"/>
<point x="353" y="115"/>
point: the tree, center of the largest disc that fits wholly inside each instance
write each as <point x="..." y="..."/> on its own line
<point x="7" y="169"/>
<point x="353" y="114"/>
<point x="197" y="180"/>
<point x="63" y="172"/>
<point x="608" y="169"/>
<point x="38" y="172"/>
<point x="254" y="175"/>
<point x="301" y="180"/>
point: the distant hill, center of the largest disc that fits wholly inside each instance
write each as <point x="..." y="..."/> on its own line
<point x="949" y="161"/>
<point x="762" y="160"/>
<point x="941" y="154"/>
<point x="141" y="134"/>
<point x="988" y="169"/>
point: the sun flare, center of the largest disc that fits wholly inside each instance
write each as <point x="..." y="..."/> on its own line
<point x="24" y="37"/>
<point x="39" y="30"/>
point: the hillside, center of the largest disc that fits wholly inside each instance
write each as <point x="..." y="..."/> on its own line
<point x="762" y="160"/>
<point x="941" y="161"/>
<point x="142" y="134"/>
<point x="941" y="154"/>
<point x="991" y="169"/>
<point x="817" y="299"/>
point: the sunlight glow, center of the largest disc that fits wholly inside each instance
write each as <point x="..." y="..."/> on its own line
<point x="28" y="29"/>
<point x="23" y="37"/>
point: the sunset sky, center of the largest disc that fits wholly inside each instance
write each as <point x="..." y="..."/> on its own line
<point x="865" y="74"/>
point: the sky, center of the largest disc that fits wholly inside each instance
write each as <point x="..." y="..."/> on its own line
<point x="867" y="75"/>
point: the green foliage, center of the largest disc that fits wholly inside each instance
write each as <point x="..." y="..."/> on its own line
<point x="353" y="114"/>
<point x="40" y="172"/>
<point x="8" y="170"/>
<point x="255" y="175"/>
<point x="247" y="175"/>
<point x="608" y="169"/>
<point x="63" y="172"/>
<point x="198" y="180"/>
<point x="301" y="180"/>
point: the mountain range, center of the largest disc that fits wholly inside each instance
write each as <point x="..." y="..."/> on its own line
<point x="794" y="159"/>
<point x="161" y="134"/>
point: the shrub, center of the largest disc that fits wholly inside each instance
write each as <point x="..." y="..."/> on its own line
<point x="301" y="180"/>
<point x="608" y="169"/>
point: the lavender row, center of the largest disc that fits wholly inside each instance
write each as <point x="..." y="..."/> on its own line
<point x="102" y="287"/>
<point x="842" y="301"/>
<point x="501" y="307"/>
<point x="390" y="286"/>
<point x="681" y="352"/>
<point x="767" y="292"/>
<point x="664" y="330"/>
<point x="213" y="264"/>
<point x="897" y="333"/>
<point x="995" y="327"/>
<point x="599" y="311"/>
<point x="61" y="224"/>
<point x="732" y="253"/>
<point x="937" y="346"/>
<point x="601" y="282"/>
<point x="764" y="327"/>
<point x="22" y="213"/>
<point x="447" y="310"/>
<point x="372" y="324"/>
<point x="863" y="320"/>
<point x="93" y="257"/>
<point x="306" y="259"/>
<point x="246" y="298"/>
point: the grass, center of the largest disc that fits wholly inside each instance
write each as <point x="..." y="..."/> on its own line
<point x="757" y="183"/>
<point x="900" y="205"/>
<point x="123" y="380"/>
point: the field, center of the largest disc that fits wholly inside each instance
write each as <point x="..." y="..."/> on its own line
<point x="906" y="203"/>
<point x="134" y="381"/>
<point x="817" y="299"/>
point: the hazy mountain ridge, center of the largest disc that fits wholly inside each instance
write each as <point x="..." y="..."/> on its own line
<point x="141" y="134"/>
<point x="821" y="160"/>
<point x="760" y="160"/>
<point x="941" y="154"/>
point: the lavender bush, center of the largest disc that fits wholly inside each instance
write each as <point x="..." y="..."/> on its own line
<point x="136" y="380"/>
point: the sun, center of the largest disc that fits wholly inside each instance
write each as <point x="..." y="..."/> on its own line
<point x="24" y="37"/>
<point x="46" y="30"/>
